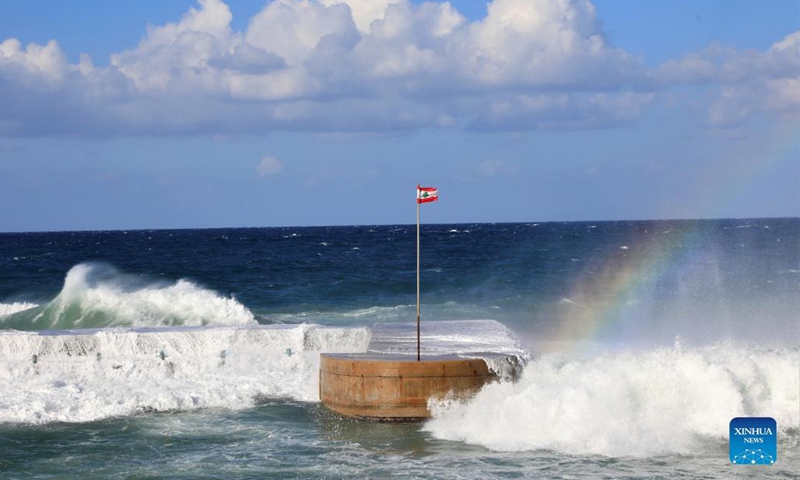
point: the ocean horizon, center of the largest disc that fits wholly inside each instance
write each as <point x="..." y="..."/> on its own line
<point x="327" y="225"/>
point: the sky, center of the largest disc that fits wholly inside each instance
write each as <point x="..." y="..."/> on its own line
<point x="204" y="114"/>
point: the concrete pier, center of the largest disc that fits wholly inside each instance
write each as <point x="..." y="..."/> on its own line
<point x="395" y="388"/>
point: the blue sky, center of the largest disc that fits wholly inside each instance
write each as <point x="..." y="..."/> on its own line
<point x="151" y="114"/>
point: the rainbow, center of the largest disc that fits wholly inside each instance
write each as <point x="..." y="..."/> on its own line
<point x="599" y="303"/>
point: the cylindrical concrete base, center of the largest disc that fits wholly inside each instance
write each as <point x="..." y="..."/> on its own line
<point x="395" y="388"/>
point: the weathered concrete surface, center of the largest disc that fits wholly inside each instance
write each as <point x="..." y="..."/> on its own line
<point x="395" y="388"/>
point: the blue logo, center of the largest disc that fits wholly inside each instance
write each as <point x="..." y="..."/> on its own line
<point x="753" y="441"/>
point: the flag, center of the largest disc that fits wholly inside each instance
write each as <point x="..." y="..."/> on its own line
<point x="427" y="194"/>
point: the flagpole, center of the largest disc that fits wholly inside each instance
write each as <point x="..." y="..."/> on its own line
<point x="418" y="357"/>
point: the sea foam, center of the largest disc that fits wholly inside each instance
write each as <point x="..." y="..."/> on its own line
<point x="89" y="374"/>
<point x="97" y="295"/>
<point x="487" y="339"/>
<point x="78" y="376"/>
<point x="14" y="307"/>
<point x="660" y="401"/>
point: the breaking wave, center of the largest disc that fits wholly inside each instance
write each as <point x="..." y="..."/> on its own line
<point x="96" y="374"/>
<point x="9" y="308"/>
<point x="97" y="295"/>
<point x="90" y="374"/>
<point x="660" y="401"/>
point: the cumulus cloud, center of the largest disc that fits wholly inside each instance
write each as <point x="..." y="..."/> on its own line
<point x="247" y="59"/>
<point x="269" y="166"/>
<point x="750" y="83"/>
<point x="372" y="66"/>
<point x="364" y="12"/>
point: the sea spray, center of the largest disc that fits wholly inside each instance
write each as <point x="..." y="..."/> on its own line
<point x="97" y="295"/>
<point x="184" y="368"/>
<point x="514" y="273"/>
<point x="655" y="402"/>
<point x="14" y="307"/>
<point x="490" y="340"/>
<point x="115" y="372"/>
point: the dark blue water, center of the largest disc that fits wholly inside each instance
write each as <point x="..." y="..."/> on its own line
<point x="524" y="269"/>
<point x="714" y="303"/>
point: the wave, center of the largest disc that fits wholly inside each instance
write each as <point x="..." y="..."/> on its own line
<point x="91" y="374"/>
<point x="375" y="313"/>
<point x="9" y="308"/>
<point x="96" y="374"/>
<point x="97" y="295"/>
<point x="432" y="313"/>
<point x="660" y="401"/>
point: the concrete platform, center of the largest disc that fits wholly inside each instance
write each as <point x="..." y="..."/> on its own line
<point x="396" y="388"/>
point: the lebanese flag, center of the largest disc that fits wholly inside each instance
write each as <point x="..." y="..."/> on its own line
<point x="427" y="194"/>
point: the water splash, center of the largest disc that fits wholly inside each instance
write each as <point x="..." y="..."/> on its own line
<point x="658" y="401"/>
<point x="97" y="295"/>
<point x="86" y="376"/>
<point x="9" y="308"/>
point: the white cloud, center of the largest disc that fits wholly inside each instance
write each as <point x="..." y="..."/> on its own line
<point x="749" y="83"/>
<point x="294" y="29"/>
<point x="373" y="66"/>
<point x="564" y="111"/>
<point x="719" y="64"/>
<point x="545" y="43"/>
<point x="38" y="67"/>
<point x="178" y="54"/>
<point x="269" y="166"/>
<point x="247" y="59"/>
<point x="364" y="12"/>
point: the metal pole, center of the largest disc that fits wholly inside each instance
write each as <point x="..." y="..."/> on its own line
<point x="418" y="357"/>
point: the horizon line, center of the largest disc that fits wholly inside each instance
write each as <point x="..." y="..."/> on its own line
<point x="141" y="229"/>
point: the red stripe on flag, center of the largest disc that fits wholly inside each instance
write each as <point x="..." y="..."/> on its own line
<point x="427" y="194"/>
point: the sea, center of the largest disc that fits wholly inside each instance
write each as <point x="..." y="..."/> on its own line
<point x="195" y="353"/>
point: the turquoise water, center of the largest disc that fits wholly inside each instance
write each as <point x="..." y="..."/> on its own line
<point x="292" y="440"/>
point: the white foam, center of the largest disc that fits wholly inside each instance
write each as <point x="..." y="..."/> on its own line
<point x="659" y="401"/>
<point x="88" y="375"/>
<point x="184" y="300"/>
<point x="487" y="339"/>
<point x="97" y="295"/>
<point x="448" y="311"/>
<point x="364" y="314"/>
<point x="9" y="308"/>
